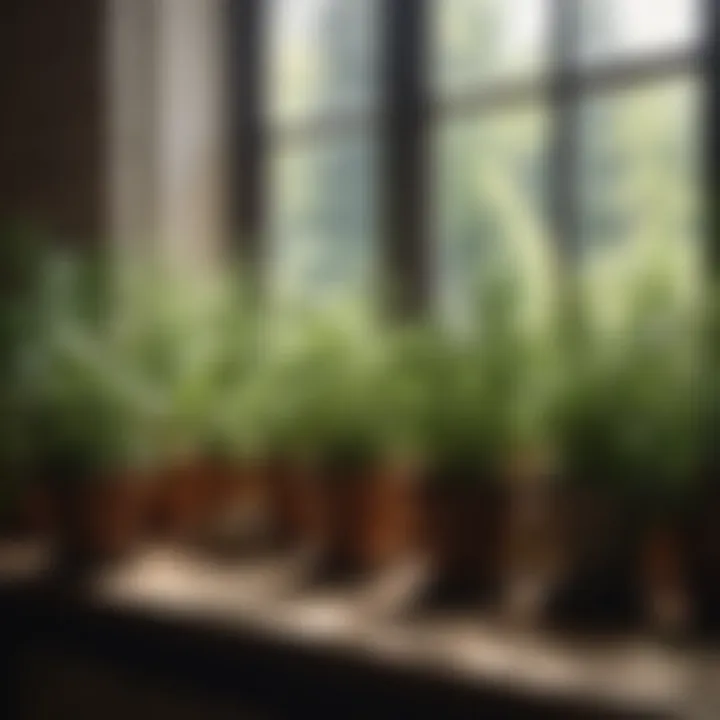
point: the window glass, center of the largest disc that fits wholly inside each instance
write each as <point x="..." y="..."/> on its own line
<point x="615" y="29"/>
<point x="322" y="216"/>
<point x="322" y="56"/>
<point x="485" y="41"/>
<point x="640" y="188"/>
<point x="490" y="192"/>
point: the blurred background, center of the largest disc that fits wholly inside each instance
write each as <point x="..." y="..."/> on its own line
<point x="389" y="324"/>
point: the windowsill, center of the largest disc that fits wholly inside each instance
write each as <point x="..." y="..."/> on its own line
<point x="255" y="603"/>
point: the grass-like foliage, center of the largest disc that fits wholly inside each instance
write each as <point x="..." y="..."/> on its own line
<point x="109" y="368"/>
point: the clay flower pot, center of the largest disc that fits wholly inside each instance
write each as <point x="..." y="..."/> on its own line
<point x="36" y="515"/>
<point x="237" y="506"/>
<point x="100" y="520"/>
<point x="597" y="584"/>
<point x="370" y="517"/>
<point x="179" y="504"/>
<point x="294" y="503"/>
<point x="532" y="548"/>
<point x="226" y="481"/>
<point x="625" y="563"/>
<point x="462" y="518"/>
<point x="664" y="569"/>
<point x="704" y="555"/>
<point x="218" y="485"/>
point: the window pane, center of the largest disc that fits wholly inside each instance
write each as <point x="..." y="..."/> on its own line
<point x="640" y="184"/>
<point x="479" y="41"/>
<point x="613" y="29"/>
<point x="322" y="217"/>
<point x="322" y="56"/>
<point x="491" y="181"/>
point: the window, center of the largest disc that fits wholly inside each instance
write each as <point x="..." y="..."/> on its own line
<point x="322" y="74"/>
<point x="432" y="134"/>
<point x="322" y="216"/>
<point x="617" y="29"/>
<point x="638" y="126"/>
<point x="481" y="42"/>
<point x="490" y="179"/>
<point x="490" y="173"/>
<point x="321" y="57"/>
<point x="640" y="190"/>
<point x="592" y="100"/>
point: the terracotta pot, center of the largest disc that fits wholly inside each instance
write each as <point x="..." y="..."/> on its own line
<point x="705" y="560"/>
<point x="532" y="548"/>
<point x="294" y="504"/>
<point x="180" y="502"/>
<point x="26" y="512"/>
<point x="462" y="530"/>
<point x="598" y="584"/>
<point x="227" y="484"/>
<point x="664" y="576"/>
<point x="102" y="520"/>
<point x="370" y="518"/>
<point x="237" y="503"/>
<point x="38" y="518"/>
<point x="219" y="484"/>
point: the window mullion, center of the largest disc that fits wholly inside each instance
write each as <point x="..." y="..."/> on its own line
<point x="565" y="97"/>
<point x="249" y="146"/>
<point x="712" y="134"/>
<point x="405" y="176"/>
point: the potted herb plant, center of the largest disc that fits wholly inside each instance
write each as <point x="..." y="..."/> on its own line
<point x="630" y="442"/>
<point x="367" y="477"/>
<point x="91" y="417"/>
<point x="335" y="478"/>
<point x="275" y="417"/>
<point x="471" y="428"/>
<point x="183" y="333"/>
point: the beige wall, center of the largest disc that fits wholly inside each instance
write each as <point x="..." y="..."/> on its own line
<point x="167" y="82"/>
<point x="131" y="91"/>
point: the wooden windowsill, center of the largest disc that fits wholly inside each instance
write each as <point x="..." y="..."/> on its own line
<point x="256" y="602"/>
